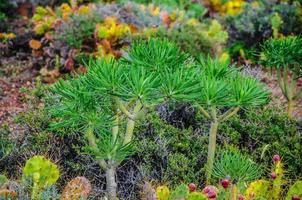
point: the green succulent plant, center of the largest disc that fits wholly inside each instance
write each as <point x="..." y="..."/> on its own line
<point x="285" y="56"/>
<point x="41" y="172"/>
<point x="222" y="86"/>
<point x="234" y="170"/>
<point x="238" y="167"/>
<point x="106" y="103"/>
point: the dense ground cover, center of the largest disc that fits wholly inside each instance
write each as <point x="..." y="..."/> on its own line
<point x="141" y="99"/>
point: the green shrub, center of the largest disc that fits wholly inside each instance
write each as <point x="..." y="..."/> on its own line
<point x="168" y="154"/>
<point x="77" y="29"/>
<point x="256" y="24"/>
<point x="200" y="39"/>
<point x="264" y="133"/>
<point x="172" y="155"/>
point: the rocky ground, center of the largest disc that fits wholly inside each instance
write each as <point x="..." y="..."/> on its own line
<point x="15" y="75"/>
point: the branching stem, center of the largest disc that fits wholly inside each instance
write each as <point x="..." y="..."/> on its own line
<point x="92" y="143"/>
<point x="131" y="123"/>
<point x="228" y="114"/>
<point x="203" y="111"/>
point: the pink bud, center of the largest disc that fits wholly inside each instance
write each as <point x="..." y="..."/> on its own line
<point x="295" y="197"/>
<point x="240" y="197"/>
<point x="276" y="158"/>
<point x="273" y="175"/>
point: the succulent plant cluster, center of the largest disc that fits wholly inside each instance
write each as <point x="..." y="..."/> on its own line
<point x="258" y="21"/>
<point x="73" y="32"/>
<point x="39" y="177"/>
<point x="248" y="189"/>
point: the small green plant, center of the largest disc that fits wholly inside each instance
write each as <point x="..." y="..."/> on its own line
<point x="236" y="166"/>
<point x="285" y="56"/>
<point x="222" y="86"/>
<point x="42" y="173"/>
<point x="7" y="144"/>
<point x="106" y="103"/>
<point x="180" y="192"/>
<point x="233" y="170"/>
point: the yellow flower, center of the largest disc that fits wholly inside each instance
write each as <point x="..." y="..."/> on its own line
<point x="6" y="36"/>
<point x="83" y="10"/>
<point x="65" y="8"/>
<point x="10" y="35"/>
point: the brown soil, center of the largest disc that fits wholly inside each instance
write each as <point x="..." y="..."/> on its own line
<point x="278" y="100"/>
<point x="14" y="74"/>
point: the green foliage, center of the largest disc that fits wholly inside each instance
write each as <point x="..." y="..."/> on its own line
<point x="283" y="52"/>
<point x="193" y="9"/>
<point x="295" y="189"/>
<point x="3" y="180"/>
<point x="263" y="133"/>
<point x="157" y="56"/>
<point x="196" y="196"/>
<point x="239" y="168"/>
<point x="250" y="26"/>
<point x="7" y="144"/>
<point x="5" y="8"/>
<point x="50" y="193"/>
<point x="168" y="154"/>
<point x="113" y="95"/>
<point x="199" y="39"/>
<point x="77" y="29"/>
<point x="257" y="22"/>
<point x="224" y="86"/>
<point x="42" y="172"/>
<point x="290" y="14"/>
<point x="180" y="192"/>
<point x="276" y="21"/>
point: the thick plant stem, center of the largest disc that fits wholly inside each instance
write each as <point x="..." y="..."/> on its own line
<point x="211" y="149"/>
<point x="290" y="107"/>
<point x="111" y="185"/>
<point x="92" y="143"/>
<point x="233" y="192"/>
<point x="131" y="123"/>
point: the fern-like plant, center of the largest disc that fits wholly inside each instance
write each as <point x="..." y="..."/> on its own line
<point x="285" y="56"/>
<point x="106" y="103"/>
